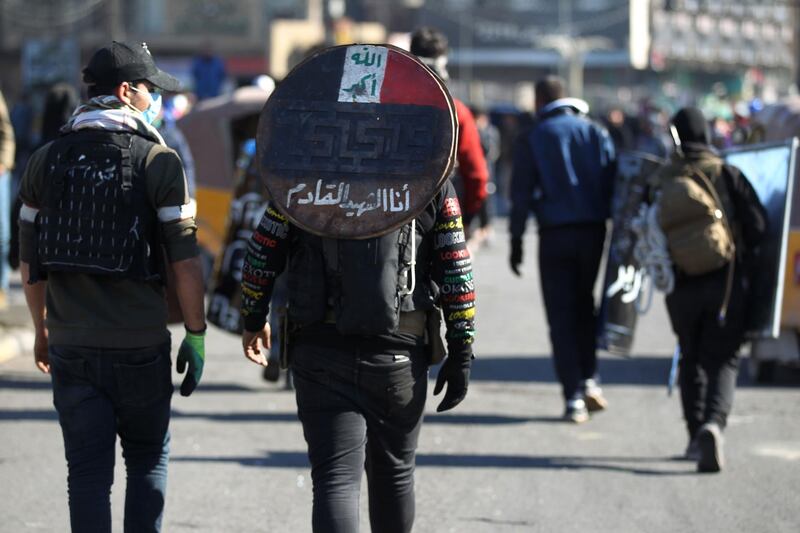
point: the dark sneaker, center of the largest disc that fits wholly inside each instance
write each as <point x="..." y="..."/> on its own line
<point x="576" y="412"/>
<point x="692" y="452"/>
<point x="593" y="396"/>
<point x="709" y="442"/>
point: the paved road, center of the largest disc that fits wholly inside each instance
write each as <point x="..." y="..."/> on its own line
<point x="502" y="462"/>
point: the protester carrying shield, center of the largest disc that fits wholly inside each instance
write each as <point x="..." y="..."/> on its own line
<point x="371" y="237"/>
<point x="714" y="223"/>
<point x="100" y="205"/>
<point x="564" y="168"/>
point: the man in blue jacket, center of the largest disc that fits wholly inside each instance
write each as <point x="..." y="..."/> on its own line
<point x="564" y="167"/>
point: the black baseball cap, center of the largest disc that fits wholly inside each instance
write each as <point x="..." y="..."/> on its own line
<point x="118" y="62"/>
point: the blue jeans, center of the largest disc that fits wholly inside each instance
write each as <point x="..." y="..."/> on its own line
<point x="99" y="394"/>
<point x="360" y="408"/>
<point x="5" y="227"/>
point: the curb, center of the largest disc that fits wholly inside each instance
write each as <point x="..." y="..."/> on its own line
<point x="15" y="342"/>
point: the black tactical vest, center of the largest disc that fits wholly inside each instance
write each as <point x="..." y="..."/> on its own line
<point x="95" y="217"/>
<point x="365" y="284"/>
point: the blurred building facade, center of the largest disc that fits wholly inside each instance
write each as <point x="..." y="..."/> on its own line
<point x="609" y="50"/>
<point x="619" y="50"/>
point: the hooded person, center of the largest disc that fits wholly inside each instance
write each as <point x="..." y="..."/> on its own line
<point x="707" y="307"/>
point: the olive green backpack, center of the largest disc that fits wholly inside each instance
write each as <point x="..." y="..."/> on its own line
<point x="692" y="216"/>
<point x="699" y="235"/>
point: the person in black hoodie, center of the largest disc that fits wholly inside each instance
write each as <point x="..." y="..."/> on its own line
<point x="710" y="339"/>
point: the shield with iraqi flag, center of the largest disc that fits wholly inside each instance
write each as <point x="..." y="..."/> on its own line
<point x="356" y="141"/>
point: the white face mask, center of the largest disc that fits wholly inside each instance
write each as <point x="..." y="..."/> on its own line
<point x="153" y="109"/>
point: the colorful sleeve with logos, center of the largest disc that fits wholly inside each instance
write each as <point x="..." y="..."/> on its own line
<point x="263" y="263"/>
<point x="452" y="271"/>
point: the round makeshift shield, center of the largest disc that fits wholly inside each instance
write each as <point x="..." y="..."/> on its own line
<point x="356" y="141"/>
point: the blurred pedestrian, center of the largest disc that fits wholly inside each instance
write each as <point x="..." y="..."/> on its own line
<point x="59" y="104"/>
<point x="619" y="128"/>
<point x="60" y="101"/>
<point x="564" y="168"/>
<point x="7" y="153"/>
<point x="430" y="46"/>
<point x="511" y="123"/>
<point x="713" y="260"/>
<point x="721" y="133"/>
<point x="649" y="134"/>
<point x="208" y="73"/>
<point x="490" y="144"/>
<point x="101" y="202"/>
<point x="175" y="106"/>
<point x="22" y="120"/>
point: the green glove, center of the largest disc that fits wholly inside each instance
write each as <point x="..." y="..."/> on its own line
<point x="193" y="353"/>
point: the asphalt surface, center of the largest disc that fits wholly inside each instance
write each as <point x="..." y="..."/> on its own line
<point x="500" y="462"/>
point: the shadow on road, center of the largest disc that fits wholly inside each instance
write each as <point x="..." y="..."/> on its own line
<point x="33" y="415"/>
<point x="447" y="419"/>
<point x="28" y="415"/>
<point x="645" y="370"/>
<point x="639" y="370"/>
<point x="645" y="466"/>
<point x="15" y="383"/>
<point x="11" y="382"/>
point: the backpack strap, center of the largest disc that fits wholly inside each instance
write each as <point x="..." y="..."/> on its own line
<point x="127" y="171"/>
<point x="695" y="172"/>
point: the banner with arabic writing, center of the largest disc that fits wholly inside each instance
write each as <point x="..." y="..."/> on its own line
<point x="356" y="141"/>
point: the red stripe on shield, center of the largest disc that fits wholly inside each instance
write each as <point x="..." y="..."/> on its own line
<point x="402" y="84"/>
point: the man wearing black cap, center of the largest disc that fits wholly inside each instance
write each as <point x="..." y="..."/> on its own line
<point x="105" y="209"/>
<point x="707" y="306"/>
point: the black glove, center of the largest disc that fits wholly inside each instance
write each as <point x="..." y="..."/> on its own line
<point x="454" y="372"/>
<point x="516" y="255"/>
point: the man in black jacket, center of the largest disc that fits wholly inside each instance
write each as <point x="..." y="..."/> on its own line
<point x="709" y="344"/>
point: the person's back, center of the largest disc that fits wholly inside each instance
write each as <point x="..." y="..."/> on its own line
<point x="101" y="204"/>
<point x="708" y="310"/>
<point x="208" y="73"/>
<point x="563" y="171"/>
<point x="575" y="165"/>
<point x="363" y="290"/>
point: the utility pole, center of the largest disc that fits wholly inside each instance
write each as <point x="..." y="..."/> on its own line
<point x="573" y="55"/>
<point x="572" y="49"/>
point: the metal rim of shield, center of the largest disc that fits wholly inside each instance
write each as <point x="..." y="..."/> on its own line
<point x="356" y="141"/>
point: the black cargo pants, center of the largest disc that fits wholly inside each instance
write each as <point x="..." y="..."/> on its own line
<point x="709" y="351"/>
